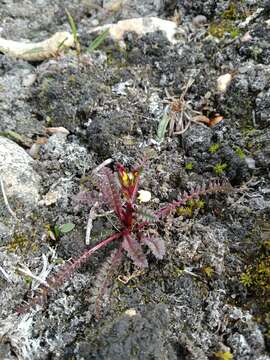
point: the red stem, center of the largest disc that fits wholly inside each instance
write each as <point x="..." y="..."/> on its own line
<point x="77" y="263"/>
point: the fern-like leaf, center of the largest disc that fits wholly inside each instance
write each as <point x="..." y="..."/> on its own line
<point x="103" y="279"/>
<point x="214" y="186"/>
<point x="108" y="186"/>
<point x="156" y="245"/>
<point x="58" y="279"/>
<point x="144" y="214"/>
<point x="135" y="251"/>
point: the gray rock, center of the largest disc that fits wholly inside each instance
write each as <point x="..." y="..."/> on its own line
<point x="142" y="336"/>
<point x="20" y="180"/>
<point x="199" y="20"/>
<point x="197" y="138"/>
<point x="15" y="88"/>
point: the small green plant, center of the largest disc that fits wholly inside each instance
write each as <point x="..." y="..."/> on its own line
<point x="57" y="230"/>
<point x="214" y="148"/>
<point x="220" y="168"/>
<point x="98" y="40"/>
<point x="189" y="166"/>
<point x="246" y="279"/>
<point x="231" y="12"/>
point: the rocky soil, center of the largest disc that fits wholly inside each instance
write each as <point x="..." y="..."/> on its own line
<point x="209" y="297"/>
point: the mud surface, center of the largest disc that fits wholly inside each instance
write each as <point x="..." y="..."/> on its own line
<point x="209" y="297"/>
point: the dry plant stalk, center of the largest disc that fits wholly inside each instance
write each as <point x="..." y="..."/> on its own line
<point x="37" y="51"/>
<point x="181" y="114"/>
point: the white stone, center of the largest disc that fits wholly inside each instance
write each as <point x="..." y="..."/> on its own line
<point x="144" y="196"/>
<point x="223" y="82"/>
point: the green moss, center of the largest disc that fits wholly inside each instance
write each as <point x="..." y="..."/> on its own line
<point x="208" y="271"/>
<point x="192" y="205"/>
<point x="189" y="166"/>
<point x="223" y="355"/>
<point x="240" y="153"/>
<point x="220" y="168"/>
<point x="184" y="211"/>
<point x="20" y="139"/>
<point x="231" y="13"/>
<point x="214" y="148"/>
<point x="22" y="243"/>
<point x="218" y="29"/>
<point x="226" y="24"/>
<point x="257" y="276"/>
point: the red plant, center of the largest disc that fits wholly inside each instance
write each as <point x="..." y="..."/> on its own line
<point x="120" y="192"/>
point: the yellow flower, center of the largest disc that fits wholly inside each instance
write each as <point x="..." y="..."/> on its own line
<point x="125" y="178"/>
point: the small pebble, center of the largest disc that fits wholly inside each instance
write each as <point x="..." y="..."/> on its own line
<point x="223" y="82"/>
<point x="199" y="20"/>
<point x="144" y="196"/>
<point x="131" y="312"/>
<point x="250" y="163"/>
